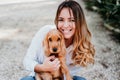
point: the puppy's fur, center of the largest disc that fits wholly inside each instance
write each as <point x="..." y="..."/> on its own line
<point x="54" y="45"/>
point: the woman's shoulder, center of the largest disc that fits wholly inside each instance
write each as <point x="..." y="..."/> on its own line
<point x="47" y="27"/>
<point x="44" y="30"/>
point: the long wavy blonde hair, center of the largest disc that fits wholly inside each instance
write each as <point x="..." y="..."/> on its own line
<point x="83" y="50"/>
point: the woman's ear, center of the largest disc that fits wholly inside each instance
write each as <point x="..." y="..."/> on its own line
<point x="46" y="45"/>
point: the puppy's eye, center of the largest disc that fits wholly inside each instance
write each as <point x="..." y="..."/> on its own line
<point x="58" y="39"/>
<point x="50" y="39"/>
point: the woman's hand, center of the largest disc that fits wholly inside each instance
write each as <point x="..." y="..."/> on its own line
<point x="51" y="64"/>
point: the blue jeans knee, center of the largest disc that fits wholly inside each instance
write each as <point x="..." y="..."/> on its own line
<point x="33" y="78"/>
<point x="78" y="78"/>
<point x="28" y="78"/>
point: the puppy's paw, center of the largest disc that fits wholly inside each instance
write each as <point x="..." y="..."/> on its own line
<point x="69" y="78"/>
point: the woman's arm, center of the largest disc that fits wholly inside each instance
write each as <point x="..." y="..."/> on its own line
<point x="30" y="61"/>
<point x="48" y="65"/>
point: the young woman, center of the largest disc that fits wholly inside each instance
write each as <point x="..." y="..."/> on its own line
<point x="70" y="21"/>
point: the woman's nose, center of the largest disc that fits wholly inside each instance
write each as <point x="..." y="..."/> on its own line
<point x="66" y="24"/>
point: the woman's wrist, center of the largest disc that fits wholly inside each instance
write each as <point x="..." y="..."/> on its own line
<point x="39" y="68"/>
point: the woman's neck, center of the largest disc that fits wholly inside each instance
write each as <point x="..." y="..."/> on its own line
<point x="68" y="42"/>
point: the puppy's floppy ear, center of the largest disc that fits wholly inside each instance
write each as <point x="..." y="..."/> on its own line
<point x="46" y="45"/>
<point x="62" y="44"/>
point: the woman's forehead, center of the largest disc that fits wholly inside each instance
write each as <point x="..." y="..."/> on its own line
<point x="66" y="12"/>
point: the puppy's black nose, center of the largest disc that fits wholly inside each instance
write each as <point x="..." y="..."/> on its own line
<point x="54" y="49"/>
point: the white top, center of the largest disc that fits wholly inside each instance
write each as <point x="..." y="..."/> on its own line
<point x="35" y="54"/>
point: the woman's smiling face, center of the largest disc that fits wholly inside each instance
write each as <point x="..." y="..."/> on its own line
<point x="66" y="23"/>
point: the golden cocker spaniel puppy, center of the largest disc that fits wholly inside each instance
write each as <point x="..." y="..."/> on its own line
<point x="54" y="45"/>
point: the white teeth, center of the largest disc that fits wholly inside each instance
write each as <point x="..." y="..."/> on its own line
<point x="66" y="31"/>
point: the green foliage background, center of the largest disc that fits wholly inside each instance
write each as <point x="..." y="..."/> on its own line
<point x="109" y="11"/>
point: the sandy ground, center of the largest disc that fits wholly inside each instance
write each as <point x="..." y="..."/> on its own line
<point x="20" y="21"/>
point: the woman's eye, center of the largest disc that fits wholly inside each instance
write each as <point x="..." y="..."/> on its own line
<point x="72" y="20"/>
<point x="60" y="20"/>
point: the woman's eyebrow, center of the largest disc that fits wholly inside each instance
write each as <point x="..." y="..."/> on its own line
<point x="59" y="17"/>
<point x="68" y="18"/>
<point x="72" y="18"/>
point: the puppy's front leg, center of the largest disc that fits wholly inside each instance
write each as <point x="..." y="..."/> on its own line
<point x="43" y="76"/>
<point x="65" y="69"/>
<point x="37" y="77"/>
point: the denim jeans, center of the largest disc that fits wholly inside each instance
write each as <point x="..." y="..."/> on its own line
<point x="78" y="78"/>
<point x="33" y="78"/>
<point x="28" y="78"/>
